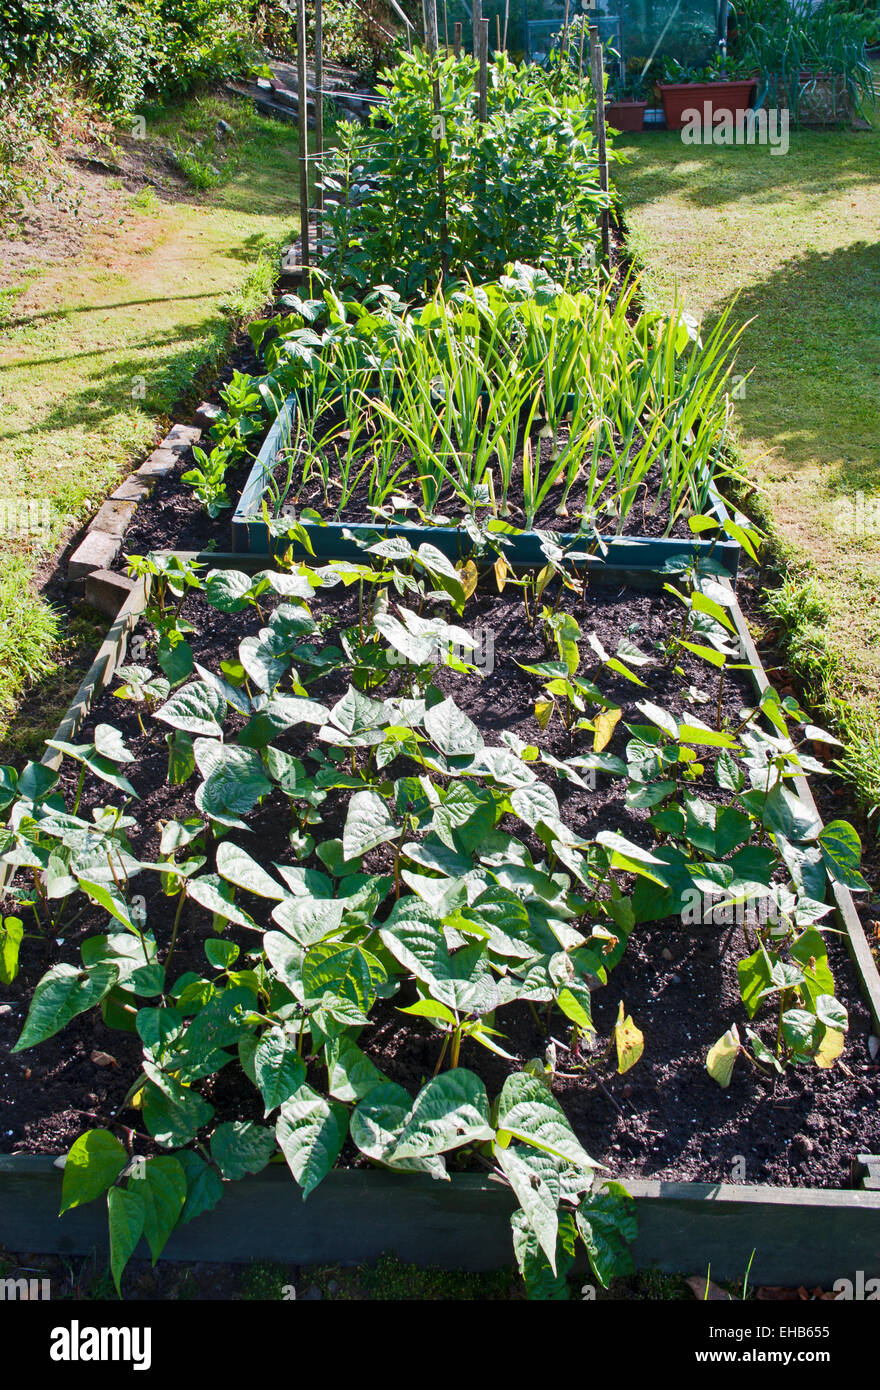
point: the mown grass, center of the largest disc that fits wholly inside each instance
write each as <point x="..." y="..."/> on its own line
<point x="95" y="352"/>
<point x="29" y="632"/>
<point x="387" y="1279"/>
<point x="793" y="240"/>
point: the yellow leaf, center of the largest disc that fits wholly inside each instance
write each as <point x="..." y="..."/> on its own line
<point x="543" y="579"/>
<point x="543" y="711"/>
<point x="604" y="724"/>
<point x="501" y="571"/>
<point x="721" y="1057"/>
<point x="469" y="574"/>
<point x="830" y="1048"/>
<point x="629" y="1040"/>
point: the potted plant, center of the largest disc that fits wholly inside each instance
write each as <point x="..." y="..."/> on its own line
<point x="719" y="87"/>
<point x="626" y="100"/>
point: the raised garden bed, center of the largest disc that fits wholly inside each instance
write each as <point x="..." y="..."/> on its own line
<point x="813" y="1107"/>
<point x="413" y="825"/>
<point x="331" y="539"/>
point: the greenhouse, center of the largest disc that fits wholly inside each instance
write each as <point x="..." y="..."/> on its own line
<point x="638" y="30"/>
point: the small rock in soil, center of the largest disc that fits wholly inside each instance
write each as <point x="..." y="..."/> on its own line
<point x="703" y="1289"/>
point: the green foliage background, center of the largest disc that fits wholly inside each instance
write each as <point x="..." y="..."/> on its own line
<point x="124" y="52"/>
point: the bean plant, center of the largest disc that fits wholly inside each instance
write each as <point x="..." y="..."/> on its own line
<point x="523" y="185"/>
<point x="428" y="871"/>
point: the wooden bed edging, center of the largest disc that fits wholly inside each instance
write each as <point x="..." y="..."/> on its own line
<point x="798" y="1235"/>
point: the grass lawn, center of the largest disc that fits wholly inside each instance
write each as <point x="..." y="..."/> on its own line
<point x="96" y="346"/>
<point x="795" y="240"/>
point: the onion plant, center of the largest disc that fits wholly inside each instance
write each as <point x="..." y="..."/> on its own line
<point x="451" y="395"/>
<point x="297" y="456"/>
<point x="459" y="404"/>
<point x="690" y="387"/>
<point x="390" y="460"/>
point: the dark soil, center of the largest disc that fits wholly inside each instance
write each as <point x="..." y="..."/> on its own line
<point x="648" y="516"/>
<point x="664" y="1118"/>
<point x="173" y="518"/>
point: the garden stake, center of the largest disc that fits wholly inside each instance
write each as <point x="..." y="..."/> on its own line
<point x="319" y="117"/>
<point x="597" y="72"/>
<point x="456" y="40"/>
<point x="303" y="133"/>
<point x="432" y="43"/>
<point x="484" y="71"/>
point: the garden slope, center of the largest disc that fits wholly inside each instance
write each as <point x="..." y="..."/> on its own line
<point x="110" y="301"/>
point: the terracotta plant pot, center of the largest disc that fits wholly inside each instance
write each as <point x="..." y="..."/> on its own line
<point x="678" y="97"/>
<point x="626" y="115"/>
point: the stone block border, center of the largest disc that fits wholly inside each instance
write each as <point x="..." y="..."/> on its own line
<point x="99" y="549"/>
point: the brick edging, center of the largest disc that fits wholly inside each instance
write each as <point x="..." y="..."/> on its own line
<point x="99" y="549"/>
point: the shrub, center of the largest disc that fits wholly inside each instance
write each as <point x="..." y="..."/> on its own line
<point x="123" y="52"/>
<point x="521" y="186"/>
<point x="113" y="56"/>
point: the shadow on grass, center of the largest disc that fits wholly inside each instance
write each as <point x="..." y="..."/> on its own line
<point x="260" y="242"/>
<point x="814" y="347"/>
<point x="163" y="363"/>
<point x="53" y="315"/>
<point x="818" y="163"/>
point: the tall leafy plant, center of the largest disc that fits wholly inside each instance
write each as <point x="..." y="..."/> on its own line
<point x="524" y="184"/>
